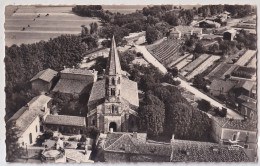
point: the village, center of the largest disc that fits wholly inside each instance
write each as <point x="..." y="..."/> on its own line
<point x="92" y="111"/>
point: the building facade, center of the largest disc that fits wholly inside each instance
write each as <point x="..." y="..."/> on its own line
<point x="114" y="99"/>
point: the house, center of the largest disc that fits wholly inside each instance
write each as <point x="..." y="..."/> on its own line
<point x="195" y="151"/>
<point x="43" y="81"/>
<point x="221" y="86"/>
<point x="175" y="34"/>
<point x="74" y="81"/>
<point x="245" y="87"/>
<point x="133" y="147"/>
<point x="227" y="131"/>
<point x="113" y="100"/>
<point x="28" y="120"/>
<point x="197" y="32"/>
<point x="208" y="24"/>
<point x="229" y="34"/>
<point x="186" y="31"/>
<point x="247" y="107"/>
<point x="65" y="124"/>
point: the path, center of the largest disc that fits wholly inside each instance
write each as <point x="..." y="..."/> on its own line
<point x="149" y="58"/>
<point x="197" y="93"/>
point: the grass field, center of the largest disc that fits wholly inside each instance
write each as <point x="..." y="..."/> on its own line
<point x="60" y="20"/>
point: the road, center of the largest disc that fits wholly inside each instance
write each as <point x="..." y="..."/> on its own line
<point x="197" y="93"/>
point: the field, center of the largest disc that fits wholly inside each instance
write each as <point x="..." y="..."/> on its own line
<point x="219" y="71"/>
<point x="246" y="57"/>
<point x="166" y="51"/>
<point x="40" y="26"/>
<point x="123" y="9"/>
<point x="184" y="62"/>
<point x="203" y="66"/>
<point x="195" y="63"/>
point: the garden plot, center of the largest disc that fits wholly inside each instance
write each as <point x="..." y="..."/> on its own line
<point x="184" y="62"/>
<point x="178" y="60"/>
<point x="195" y="63"/>
<point x="246" y="57"/>
<point x="203" y="66"/>
<point x="252" y="63"/>
<point x="219" y="71"/>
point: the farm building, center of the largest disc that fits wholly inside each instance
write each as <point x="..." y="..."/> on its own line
<point x="43" y="81"/>
<point x="175" y="34"/>
<point x="74" y="81"/>
<point x="133" y="147"/>
<point x="196" y="151"/>
<point x="247" y="88"/>
<point x="220" y="86"/>
<point x="229" y="34"/>
<point x="65" y="124"/>
<point x="186" y="31"/>
<point x="208" y="24"/>
<point x="235" y="132"/>
<point x="28" y="120"/>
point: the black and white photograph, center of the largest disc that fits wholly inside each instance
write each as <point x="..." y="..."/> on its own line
<point x="126" y="83"/>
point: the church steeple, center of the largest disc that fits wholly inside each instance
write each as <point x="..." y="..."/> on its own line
<point x="113" y="66"/>
<point x="113" y="75"/>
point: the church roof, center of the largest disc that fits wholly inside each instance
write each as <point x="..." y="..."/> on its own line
<point x="113" y="66"/>
<point x="129" y="92"/>
<point x="45" y="75"/>
<point x="65" y="120"/>
<point x="80" y="71"/>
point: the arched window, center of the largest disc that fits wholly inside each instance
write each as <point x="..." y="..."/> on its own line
<point x="113" y="109"/>
<point x="113" y="81"/>
<point x="93" y="122"/>
<point x="118" y="81"/>
<point x="113" y="92"/>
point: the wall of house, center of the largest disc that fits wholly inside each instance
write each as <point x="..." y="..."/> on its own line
<point x="40" y="86"/>
<point x="245" y="111"/>
<point x="216" y="131"/>
<point x="34" y="129"/>
<point x="251" y="140"/>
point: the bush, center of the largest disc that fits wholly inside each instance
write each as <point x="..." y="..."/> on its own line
<point x="204" y="105"/>
<point x="83" y="138"/>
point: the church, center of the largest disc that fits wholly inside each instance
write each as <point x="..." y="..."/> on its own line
<point x="113" y="101"/>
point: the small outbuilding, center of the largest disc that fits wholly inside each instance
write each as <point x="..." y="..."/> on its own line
<point x="229" y="34"/>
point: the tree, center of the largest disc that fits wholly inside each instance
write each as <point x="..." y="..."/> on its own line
<point x="199" y="48"/>
<point x="84" y="31"/>
<point x="204" y="105"/>
<point x="151" y="34"/>
<point x="152" y="115"/>
<point x="172" y="19"/>
<point x="93" y="27"/>
<point x="199" y="82"/>
<point x="227" y="76"/>
<point x="214" y="48"/>
<point x="13" y="149"/>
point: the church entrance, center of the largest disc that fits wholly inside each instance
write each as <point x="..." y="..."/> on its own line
<point x="112" y="127"/>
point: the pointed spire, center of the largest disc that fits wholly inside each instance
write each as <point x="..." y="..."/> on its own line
<point x="113" y="65"/>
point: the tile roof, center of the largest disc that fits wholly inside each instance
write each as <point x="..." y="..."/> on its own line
<point x="217" y="84"/>
<point x="45" y="75"/>
<point x="79" y="71"/>
<point x="236" y="123"/>
<point x="70" y="86"/>
<point x="248" y="85"/>
<point x="246" y="98"/>
<point x="97" y="92"/>
<point x="65" y="120"/>
<point x="130" y="91"/>
<point x="126" y="142"/>
<point x="195" y="151"/>
<point x="27" y="114"/>
<point x="250" y="105"/>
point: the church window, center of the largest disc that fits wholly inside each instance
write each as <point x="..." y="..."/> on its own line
<point x="113" y="93"/>
<point x="107" y="81"/>
<point x="113" y="81"/>
<point x="113" y="109"/>
<point x="93" y="122"/>
<point x="118" y="81"/>
<point x="118" y="92"/>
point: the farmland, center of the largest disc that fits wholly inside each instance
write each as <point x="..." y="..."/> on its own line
<point x="246" y="57"/>
<point x="30" y="24"/>
<point x="184" y="62"/>
<point x="195" y="63"/>
<point x="203" y="66"/>
<point x="166" y="51"/>
<point x="252" y="63"/>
